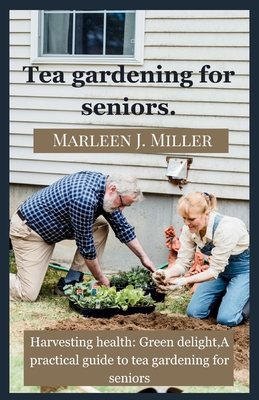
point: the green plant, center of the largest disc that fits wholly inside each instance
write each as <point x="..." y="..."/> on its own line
<point x="176" y="304"/>
<point x="106" y="297"/>
<point x="130" y="297"/>
<point x="138" y="277"/>
<point x="120" y="281"/>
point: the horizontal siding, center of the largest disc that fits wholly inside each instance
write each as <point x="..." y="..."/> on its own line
<point x="183" y="39"/>
<point x="197" y="39"/>
<point x="22" y="137"/>
<point x="239" y="152"/>
<point x="148" y="186"/>
<point x="241" y="67"/>
<point x="199" y="53"/>
<point x="157" y="52"/>
<point x="200" y="162"/>
<point x="56" y="104"/>
<point x="190" y="25"/>
<point x="74" y="117"/>
<point x="149" y="173"/>
<point x="179" y="40"/>
<point x="65" y="91"/>
<point x="20" y="25"/>
<point x="197" y="14"/>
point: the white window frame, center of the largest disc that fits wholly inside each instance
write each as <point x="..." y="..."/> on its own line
<point x="137" y="59"/>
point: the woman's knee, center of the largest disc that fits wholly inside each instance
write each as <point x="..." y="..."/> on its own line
<point x="196" y="311"/>
<point x="193" y="311"/>
<point x="190" y="311"/>
<point x="229" y="319"/>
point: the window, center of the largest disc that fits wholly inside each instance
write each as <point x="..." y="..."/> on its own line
<point x="88" y="36"/>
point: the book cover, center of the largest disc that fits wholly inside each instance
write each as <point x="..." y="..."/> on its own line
<point x="159" y="93"/>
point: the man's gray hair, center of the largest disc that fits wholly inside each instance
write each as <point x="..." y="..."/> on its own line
<point x="126" y="185"/>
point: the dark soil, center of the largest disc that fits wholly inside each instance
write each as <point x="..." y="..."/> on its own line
<point x="162" y="321"/>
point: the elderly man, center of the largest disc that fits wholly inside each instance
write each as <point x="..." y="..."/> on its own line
<point x="80" y="206"/>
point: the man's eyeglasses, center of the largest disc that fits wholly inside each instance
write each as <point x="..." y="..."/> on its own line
<point x="123" y="205"/>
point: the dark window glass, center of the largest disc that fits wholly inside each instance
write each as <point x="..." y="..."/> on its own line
<point x="115" y="33"/>
<point x="89" y="34"/>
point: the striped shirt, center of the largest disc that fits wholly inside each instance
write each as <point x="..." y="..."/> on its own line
<point x="68" y="208"/>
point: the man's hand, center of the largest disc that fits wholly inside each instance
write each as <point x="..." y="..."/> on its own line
<point x="104" y="281"/>
<point x="95" y="269"/>
<point x="148" y="264"/>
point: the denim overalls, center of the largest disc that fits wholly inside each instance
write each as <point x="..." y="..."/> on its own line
<point x="232" y="286"/>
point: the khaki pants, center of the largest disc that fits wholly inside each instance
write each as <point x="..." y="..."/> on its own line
<point x="33" y="255"/>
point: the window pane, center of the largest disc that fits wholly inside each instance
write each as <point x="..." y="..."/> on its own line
<point x="57" y="35"/>
<point x="120" y="33"/>
<point x="100" y="33"/>
<point x="89" y="33"/>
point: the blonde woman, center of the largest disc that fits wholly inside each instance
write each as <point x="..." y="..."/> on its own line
<point x="226" y="241"/>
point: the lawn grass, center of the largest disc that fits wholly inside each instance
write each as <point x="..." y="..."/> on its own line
<point x="49" y="308"/>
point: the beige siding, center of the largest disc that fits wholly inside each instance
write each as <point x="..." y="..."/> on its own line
<point x="177" y="40"/>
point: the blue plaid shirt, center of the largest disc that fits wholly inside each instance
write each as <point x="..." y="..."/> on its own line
<point x="68" y="208"/>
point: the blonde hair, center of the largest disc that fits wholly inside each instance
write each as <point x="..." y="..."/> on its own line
<point x="200" y="201"/>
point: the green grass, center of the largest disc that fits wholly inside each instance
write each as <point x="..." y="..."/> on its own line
<point x="50" y="308"/>
<point x="175" y="304"/>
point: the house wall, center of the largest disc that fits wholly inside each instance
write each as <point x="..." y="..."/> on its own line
<point x="150" y="219"/>
<point x="177" y="40"/>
